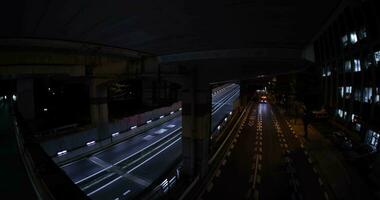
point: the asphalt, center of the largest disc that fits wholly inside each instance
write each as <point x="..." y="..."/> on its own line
<point x="124" y="170"/>
<point x="267" y="161"/>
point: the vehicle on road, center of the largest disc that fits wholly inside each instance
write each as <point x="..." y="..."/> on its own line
<point x="263" y="99"/>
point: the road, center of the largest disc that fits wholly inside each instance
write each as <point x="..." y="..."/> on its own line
<point x="266" y="161"/>
<point x="124" y="170"/>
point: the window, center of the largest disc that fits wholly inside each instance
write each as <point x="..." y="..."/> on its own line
<point x="341" y="91"/>
<point x="357" y="67"/>
<point x="358" y="127"/>
<point x="367" y="94"/>
<point x="326" y="72"/>
<point x="357" y="95"/>
<point x="347" y="66"/>
<point x="362" y="33"/>
<point x="354" y="118"/>
<point x="377" y="57"/>
<point x="377" y="95"/>
<point x="353" y="38"/>
<point x="339" y="113"/>
<point x="345" y="41"/>
<point x="373" y="139"/>
<point x="348" y="91"/>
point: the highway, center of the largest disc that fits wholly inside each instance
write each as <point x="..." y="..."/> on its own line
<point x="266" y="160"/>
<point x="124" y="170"/>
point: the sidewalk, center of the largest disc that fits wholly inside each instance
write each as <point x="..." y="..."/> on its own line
<point x="343" y="180"/>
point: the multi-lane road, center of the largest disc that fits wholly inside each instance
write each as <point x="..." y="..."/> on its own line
<point x="266" y="160"/>
<point x="124" y="170"/>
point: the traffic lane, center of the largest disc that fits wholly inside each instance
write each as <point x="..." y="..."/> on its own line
<point x="225" y="97"/>
<point x="160" y="162"/>
<point x="123" y="150"/>
<point x="222" y="112"/>
<point x="309" y="180"/>
<point x="81" y="169"/>
<point x="274" y="177"/>
<point x="84" y="169"/>
<point x="237" y="170"/>
<point x="116" y="187"/>
<point x="119" y="187"/>
<point x="217" y="97"/>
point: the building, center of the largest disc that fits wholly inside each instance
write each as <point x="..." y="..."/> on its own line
<point x="347" y="52"/>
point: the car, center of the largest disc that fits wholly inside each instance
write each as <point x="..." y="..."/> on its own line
<point x="263" y="99"/>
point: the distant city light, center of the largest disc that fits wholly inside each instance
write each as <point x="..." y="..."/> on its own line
<point x="171" y="112"/>
<point x="61" y="153"/>
<point x="45" y="109"/>
<point x="14" y="97"/>
<point x="219" y="127"/>
<point x="225" y="119"/>
<point x="5" y="97"/>
<point x="49" y="89"/>
<point x="161" y="116"/>
<point x="115" y="134"/>
<point x="180" y="109"/>
<point x="230" y="113"/>
<point x="149" y="121"/>
<point x="90" y="143"/>
<point x="133" y="127"/>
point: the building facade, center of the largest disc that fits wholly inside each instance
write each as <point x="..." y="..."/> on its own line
<point x="348" y="54"/>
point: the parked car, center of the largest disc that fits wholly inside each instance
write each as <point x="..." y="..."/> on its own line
<point x="341" y="141"/>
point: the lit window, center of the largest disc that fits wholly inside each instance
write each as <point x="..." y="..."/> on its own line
<point x="377" y="95"/>
<point x="345" y="40"/>
<point x="357" y="65"/>
<point x="358" y="127"/>
<point x="362" y="33"/>
<point x="353" y="118"/>
<point x="373" y="139"/>
<point x="357" y="95"/>
<point x="326" y="72"/>
<point x="377" y="56"/>
<point x="348" y="91"/>
<point x="341" y="91"/>
<point x="347" y="66"/>
<point x="353" y="38"/>
<point x="340" y="113"/>
<point x="367" y="94"/>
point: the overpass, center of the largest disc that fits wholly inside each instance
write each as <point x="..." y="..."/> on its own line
<point x="189" y="46"/>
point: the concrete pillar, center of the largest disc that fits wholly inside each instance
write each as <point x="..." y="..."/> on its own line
<point x="196" y="120"/>
<point x="99" y="108"/>
<point x="25" y="98"/>
<point x="243" y="93"/>
<point x="148" y="92"/>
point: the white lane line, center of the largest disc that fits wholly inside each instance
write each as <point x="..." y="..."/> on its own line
<point x="126" y="192"/>
<point x="103" y="186"/>
<point x="92" y="175"/>
<point x="169" y="134"/>
<point x="154" y="155"/>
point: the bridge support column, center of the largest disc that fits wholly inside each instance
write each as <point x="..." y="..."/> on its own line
<point x="99" y="108"/>
<point x="25" y="98"/>
<point x="196" y="122"/>
<point x="243" y="93"/>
